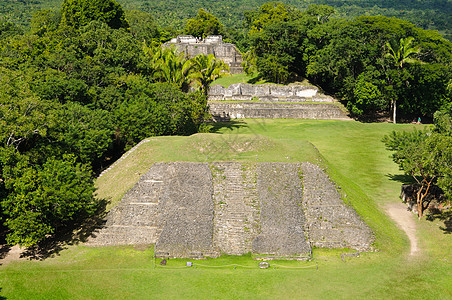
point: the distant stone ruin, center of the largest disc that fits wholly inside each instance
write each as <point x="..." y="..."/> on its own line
<point x="294" y="101"/>
<point x="198" y="210"/>
<point x="212" y="44"/>
<point x="268" y="93"/>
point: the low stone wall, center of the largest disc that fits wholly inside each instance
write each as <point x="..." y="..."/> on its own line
<point x="197" y="210"/>
<point x="267" y="93"/>
<point x="225" y="111"/>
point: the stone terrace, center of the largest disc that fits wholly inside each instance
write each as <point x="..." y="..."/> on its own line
<point x="295" y="101"/>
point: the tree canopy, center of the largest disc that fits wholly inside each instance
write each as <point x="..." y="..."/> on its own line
<point x="370" y="63"/>
<point x="79" y="13"/>
<point x="203" y="24"/>
<point x="426" y="155"/>
<point x="75" y="93"/>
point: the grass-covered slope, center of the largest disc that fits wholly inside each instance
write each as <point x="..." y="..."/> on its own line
<point x="356" y="161"/>
<point x="113" y="184"/>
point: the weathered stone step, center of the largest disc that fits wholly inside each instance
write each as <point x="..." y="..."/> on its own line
<point x="223" y="111"/>
<point x="125" y="235"/>
<point x="237" y="185"/>
<point x="135" y="214"/>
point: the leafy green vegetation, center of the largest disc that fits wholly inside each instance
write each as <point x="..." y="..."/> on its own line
<point x="75" y="93"/>
<point x="370" y="63"/>
<point x="426" y="156"/>
<point x="203" y="24"/>
<point x="79" y="13"/>
<point x="427" y="14"/>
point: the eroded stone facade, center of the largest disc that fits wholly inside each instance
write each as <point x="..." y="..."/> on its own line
<point x="197" y="210"/>
<point x="213" y="44"/>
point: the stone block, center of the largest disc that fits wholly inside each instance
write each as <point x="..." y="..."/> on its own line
<point x="217" y="90"/>
<point x="281" y="91"/>
<point x="249" y="90"/>
<point x="235" y="89"/>
<point x="305" y="93"/>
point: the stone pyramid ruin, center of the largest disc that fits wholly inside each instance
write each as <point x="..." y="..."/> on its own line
<point x="198" y="210"/>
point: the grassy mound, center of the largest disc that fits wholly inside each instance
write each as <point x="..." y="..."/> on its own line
<point x="244" y="78"/>
<point x="203" y="147"/>
<point x="357" y="161"/>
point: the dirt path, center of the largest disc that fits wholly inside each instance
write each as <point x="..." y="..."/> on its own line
<point x="405" y="220"/>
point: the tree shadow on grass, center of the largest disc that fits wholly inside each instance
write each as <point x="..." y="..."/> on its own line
<point x="255" y="79"/>
<point x="76" y="233"/>
<point x="443" y="216"/>
<point x="1" y="297"/>
<point x="230" y="125"/>
<point x="402" y="178"/>
<point x="4" y="247"/>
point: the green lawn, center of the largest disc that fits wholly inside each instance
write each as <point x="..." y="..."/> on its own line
<point x="244" y="78"/>
<point x="357" y="162"/>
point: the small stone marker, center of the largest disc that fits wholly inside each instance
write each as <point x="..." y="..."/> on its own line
<point x="189" y="264"/>
<point x="264" y="265"/>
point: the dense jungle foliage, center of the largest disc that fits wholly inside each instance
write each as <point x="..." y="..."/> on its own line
<point x="373" y="64"/>
<point x="76" y="91"/>
<point x="427" y="14"/>
<point x="82" y="84"/>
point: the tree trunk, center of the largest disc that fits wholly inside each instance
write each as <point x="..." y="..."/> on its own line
<point x="419" y="206"/>
<point x="420" y="199"/>
<point x="394" y="108"/>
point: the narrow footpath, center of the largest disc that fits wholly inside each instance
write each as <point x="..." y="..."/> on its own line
<point x="405" y="220"/>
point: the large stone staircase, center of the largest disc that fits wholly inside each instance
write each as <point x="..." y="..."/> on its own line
<point x="236" y="200"/>
<point x="136" y="219"/>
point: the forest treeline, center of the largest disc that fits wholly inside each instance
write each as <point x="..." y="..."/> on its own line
<point x="88" y="81"/>
<point x="427" y="14"/>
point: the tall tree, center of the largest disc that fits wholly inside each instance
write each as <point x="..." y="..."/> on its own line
<point x="170" y="65"/>
<point x="204" y="24"/>
<point x="77" y="13"/>
<point x="44" y="198"/>
<point x="426" y="156"/>
<point x="400" y="53"/>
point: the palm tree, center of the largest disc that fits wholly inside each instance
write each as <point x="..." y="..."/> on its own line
<point x="170" y="65"/>
<point x="401" y="53"/>
<point x="205" y="69"/>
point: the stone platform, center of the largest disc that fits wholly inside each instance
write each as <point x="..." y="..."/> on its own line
<point x="271" y="101"/>
<point x="198" y="210"/>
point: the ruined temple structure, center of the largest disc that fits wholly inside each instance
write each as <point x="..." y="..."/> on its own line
<point x="197" y="210"/>
<point x="212" y="44"/>
<point x="269" y="101"/>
